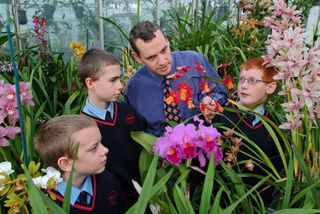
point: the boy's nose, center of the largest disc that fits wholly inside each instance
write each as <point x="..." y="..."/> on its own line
<point x="244" y="84"/>
<point x="120" y="86"/>
<point x="105" y="150"/>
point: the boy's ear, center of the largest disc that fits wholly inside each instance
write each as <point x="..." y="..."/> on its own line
<point x="136" y="57"/>
<point x="89" y="83"/>
<point x="271" y="87"/>
<point x="65" y="163"/>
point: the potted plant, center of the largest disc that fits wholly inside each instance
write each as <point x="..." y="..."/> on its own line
<point x="22" y="16"/>
<point x="49" y="9"/>
<point x="78" y="6"/>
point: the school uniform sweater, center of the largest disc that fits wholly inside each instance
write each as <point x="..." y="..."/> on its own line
<point x="124" y="152"/>
<point x="108" y="197"/>
<point x="260" y="136"/>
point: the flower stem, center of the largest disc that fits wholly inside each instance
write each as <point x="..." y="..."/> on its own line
<point x="188" y="163"/>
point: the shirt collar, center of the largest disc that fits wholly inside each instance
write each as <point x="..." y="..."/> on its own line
<point x="259" y="110"/>
<point x="158" y="79"/>
<point x="87" y="187"/>
<point x="97" y="111"/>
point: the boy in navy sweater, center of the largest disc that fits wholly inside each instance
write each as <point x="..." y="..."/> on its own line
<point x="255" y="85"/>
<point x="94" y="190"/>
<point x="100" y="72"/>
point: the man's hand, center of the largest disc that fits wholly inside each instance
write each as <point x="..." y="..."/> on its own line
<point x="208" y="108"/>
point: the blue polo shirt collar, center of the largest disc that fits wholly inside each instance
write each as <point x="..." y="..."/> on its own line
<point x="87" y="187"/>
<point x="97" y="111"/>
<point x="259" y="109"/>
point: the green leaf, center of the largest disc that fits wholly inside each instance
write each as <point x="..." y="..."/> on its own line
<point x="297" y="211"/>
<point x="144" y="139"/>
<point x="153" y="191"/>
<point x="303" y="193"/>
<point x="287" y="193"/>
<point x="207" y="186"/>
<point x="4" y="39"/>
<point x="307" y="173"/>
<point x="231" y="208"/>
<point x="182" y="202"/>
<point x="36" y="201"/>
<point x="67" y="194"/>
<point x="145" y="160"/>
<point x="239" y="187"/>
<point x="53" y="207"/>
<point x="117" y="26"/>
<point x="142" y="203"/>
<point x="216" y="202"/>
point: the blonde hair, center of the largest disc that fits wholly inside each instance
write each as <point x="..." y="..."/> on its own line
<point x="55" y="140"/>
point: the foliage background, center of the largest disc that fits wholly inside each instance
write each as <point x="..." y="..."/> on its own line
<point x="226" y="43"/>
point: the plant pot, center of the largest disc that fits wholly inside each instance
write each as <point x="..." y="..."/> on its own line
<point x="48" y="10"/>
<point x="22" y="17"/>
<point x="79" y="11"/>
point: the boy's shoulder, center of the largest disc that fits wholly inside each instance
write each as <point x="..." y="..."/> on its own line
<point x="105" y="186"/>
<point x="124" y="108"/>
<point x="107" y="183"/>
<point x="106" y="176"/>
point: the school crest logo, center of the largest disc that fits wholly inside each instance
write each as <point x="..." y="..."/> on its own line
<point x="130" y="118"/>
<point x="113" y="197"/>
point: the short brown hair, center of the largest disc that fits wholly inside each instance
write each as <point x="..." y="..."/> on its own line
<point x="144" y="30"/>
<point x="257" y="63"/>
<point x="92" y="61"/>
<point x="54" y="139"/>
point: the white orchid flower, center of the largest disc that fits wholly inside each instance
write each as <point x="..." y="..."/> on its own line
<point x="53" y="173"/>
<point x="6" y="168"/>
<point x="41" y="181"/>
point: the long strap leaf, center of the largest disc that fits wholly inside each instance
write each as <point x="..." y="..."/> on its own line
<point x="207" y="186"/>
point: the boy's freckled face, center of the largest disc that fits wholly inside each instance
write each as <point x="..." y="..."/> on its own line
<point x="92" y="155"/>
<point x="108" y="87"/>
<point x="252" y="95"/>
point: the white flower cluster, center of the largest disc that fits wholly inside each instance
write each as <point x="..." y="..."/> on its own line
<point x="51" y="173"/>
<point x="5" y="168"/>
<point x="5" y="66"/>
<point x="41" y="181"/>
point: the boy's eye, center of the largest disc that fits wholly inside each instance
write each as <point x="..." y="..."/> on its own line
<point x="114" y="79"/>
<point x="94" y="149"/>
<point x="251" y="81"/>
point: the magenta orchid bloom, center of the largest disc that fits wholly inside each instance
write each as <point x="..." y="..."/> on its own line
<point x="9" y="109"/>
<point x="26" y="96"/>
<point x="12" y="131"/>
<point x="185" y="142"/>
<point x="173" y="155"/>
<point x="8" y="91"/>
